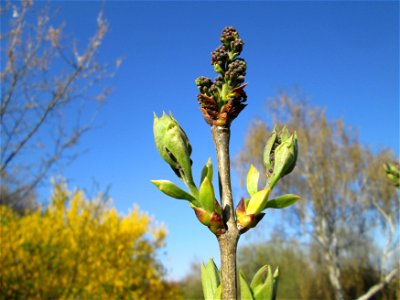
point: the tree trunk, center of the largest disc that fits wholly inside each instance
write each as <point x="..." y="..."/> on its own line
<point x="227" y="241"/>
<point x="334" y="276"/>
<point x="328" y="242"/>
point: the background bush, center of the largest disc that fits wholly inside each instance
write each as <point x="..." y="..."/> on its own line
<point x="76" y="248"/>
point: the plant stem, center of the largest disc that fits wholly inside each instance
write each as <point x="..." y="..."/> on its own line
<point x="227" y="241"/>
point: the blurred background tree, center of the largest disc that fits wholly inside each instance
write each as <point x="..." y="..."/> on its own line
<point x="190" y="285"/>
<point x="44" y="75"/>
<point x="81" y="249"/>
<point x="347" y="199"/>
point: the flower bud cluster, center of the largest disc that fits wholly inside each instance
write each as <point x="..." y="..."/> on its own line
<point x="236" y="72"/>
<point x="229" y="34"/>
<point x="230" y="38"/>
<point x="219" y="56"/>
<point x="221" y="101"/>
<point x="206" y="86"/>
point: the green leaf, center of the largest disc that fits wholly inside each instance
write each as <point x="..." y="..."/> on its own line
<point x="245" y="291"/>
<point x="282" y="201"/>
<point x="265" y="291"/>
<point x="210" y="280"/>
<point x="252" y="180"/>
<point x="258" y="278"/>
<point x="275" y="279"/>
<point x="218" y="293"/>
<point x="207" y="171"/>
<point x="170" y="189"/>
<point x="257" y="202"/>
<point x="206" y="195"/>
<point x="268" y="148"/>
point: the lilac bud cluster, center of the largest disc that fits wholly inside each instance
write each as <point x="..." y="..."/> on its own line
<point x="219" y="56"/>
<point x="222" y="100"/>
<point x="236" y="72"/>
<point x="230" y="39"/>
<point x="206" y="86"/>
<point x="229" y="34"/>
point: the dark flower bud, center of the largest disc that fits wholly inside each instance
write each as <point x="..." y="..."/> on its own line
<point x="236" y="72"/>
<point x="219" y="81"/>
<point x="237" y="46"/>
<point x="205" y="85"/>
<point x="202" y="82"/>
<point x="219" y="56"/>
<point x="229" y="34"/>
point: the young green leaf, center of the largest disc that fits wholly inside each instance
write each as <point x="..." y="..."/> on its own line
<point x="218" y="293"/>
<point x="275" y="279"/>
<point x="207" y="171"/>
<point x="170" y="189"/>
<point x="282" y="201"/>
<point x="265" y="291"/>
<point x="245" y="291"/>
<point x="206" y="195"/>
<point x="210" y="280"/>
<point x="257" y="202"/>
<point x="258" y="278"/>
<point x="252" y="180"/>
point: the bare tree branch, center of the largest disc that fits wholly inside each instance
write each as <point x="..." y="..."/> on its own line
<point x="44" y="75"/>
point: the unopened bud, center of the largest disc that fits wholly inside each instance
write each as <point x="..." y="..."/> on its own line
<point x="174" y="146"/>
<point x="244" y="220"/>
<point x="393" y="173"/>
<point x="212" y="220"/>
<point x="280" y="155"/>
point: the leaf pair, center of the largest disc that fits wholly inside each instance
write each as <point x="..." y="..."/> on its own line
<point x="263" y="286"/>
<point x="202" y="198"/>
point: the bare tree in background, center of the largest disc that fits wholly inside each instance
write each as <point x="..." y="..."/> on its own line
<point x="51" y="90"/>
<point x="346" y="195"/>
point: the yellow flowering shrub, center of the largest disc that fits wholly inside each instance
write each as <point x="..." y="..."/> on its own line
<point x="80" y="249"/>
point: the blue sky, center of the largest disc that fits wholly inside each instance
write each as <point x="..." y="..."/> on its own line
<point x="342" y="55"/>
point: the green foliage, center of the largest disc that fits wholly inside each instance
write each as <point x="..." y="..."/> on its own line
<point x="298" y="276"/>
<point x="263" y="286"/>
<point x="282" y="201"/>
<point x="210" y="279"/>
<point x="280" y="156"/>
<point x="170" y="189"/>
<point x="393" y="173"/>
<point x="252" y="180"/>
<point x="174" y="147"/>
<point x="207" y="196"/>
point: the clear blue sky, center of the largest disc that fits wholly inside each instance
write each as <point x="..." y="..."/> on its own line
<point x="343" y="55"/>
